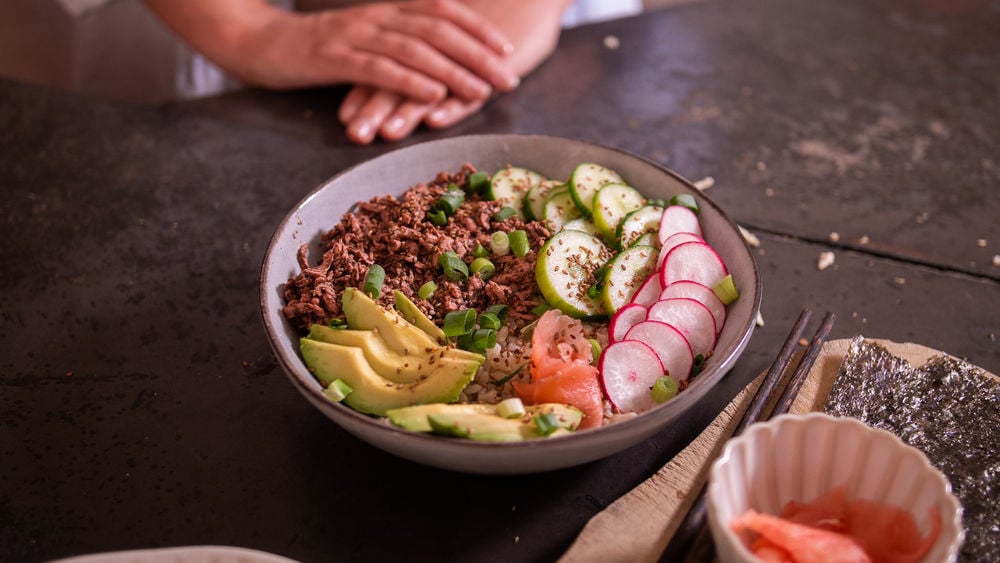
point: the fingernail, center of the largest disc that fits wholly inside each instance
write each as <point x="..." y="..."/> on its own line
<point x="363" y="130"/>
<point x="438" y="116"/>
<point x="394" y="124"/>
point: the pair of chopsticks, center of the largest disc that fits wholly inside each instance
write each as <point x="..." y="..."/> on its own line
<point x="693" y="542"/>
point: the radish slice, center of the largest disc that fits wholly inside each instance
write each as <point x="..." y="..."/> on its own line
<point x="628" y="371"/>
<point x="669" y="344"/>
<point x="649" y="292"/>
<point x="672" y="241"/>
<point x="694" y="261"/>
<point x="693" y="319"/>
<point x="698" y="292"/>
<point x="624" y="319"/>
<point x="678" y="219"/>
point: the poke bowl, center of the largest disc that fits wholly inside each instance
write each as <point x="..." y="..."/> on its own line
<point x="450" y="255"/>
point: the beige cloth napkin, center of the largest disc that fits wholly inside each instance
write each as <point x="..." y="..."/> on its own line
<point x="638" y="526"/>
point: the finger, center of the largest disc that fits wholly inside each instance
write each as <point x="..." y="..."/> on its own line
<point x="372" y="115"/>
<point x="455" y="44"/>
<point x="404" y="120"/>
<point x="381" y="72"/>
<point x="353" y="101"/>
<point x="467" y="19"/>
<point x="424" y="58"/>
<point x="451" y="111"/>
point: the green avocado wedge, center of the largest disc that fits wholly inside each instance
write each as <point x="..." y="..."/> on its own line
<point x="387" y="362"/>
<point x="373" y="394"/>
<point x="362" y="313"/>
<point x="482" y="421"/>
<point x="415" y="316"/>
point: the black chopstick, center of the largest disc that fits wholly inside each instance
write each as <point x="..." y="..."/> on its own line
<point x="692" y="541"/>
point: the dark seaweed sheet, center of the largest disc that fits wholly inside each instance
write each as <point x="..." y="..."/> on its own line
<point x="949" y="409"/>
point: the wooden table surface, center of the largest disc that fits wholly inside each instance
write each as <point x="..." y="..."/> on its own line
<point x="140" y="404"/>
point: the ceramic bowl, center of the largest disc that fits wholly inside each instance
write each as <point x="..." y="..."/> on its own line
<point x="800" y="457"/>
<point x="393" y="173"/>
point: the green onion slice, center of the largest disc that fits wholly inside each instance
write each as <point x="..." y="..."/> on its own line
<point x="453" y="266"/>
<point x="546" y="423"/>
<point x="509" y="376"/>
<point x="480" y="251"/>
<point x="427" y="290"/>
<point x="595" y="350"/>
<point x="489" y="320"/>
<point x="451" y="200"/>
<point x="337" y="391"/>
<point x="479" y="340"/>
<point x="540" y="309"/>
<point x="437" y="217"/>
<point x="726" y="290"/>
<point x="511" y="408"/>
<point x="483" y="267"/>
<point x="504" y="214"/>
<point x="519" y="243"/>
<point x="664" y="389"/>
<point x="687" y="200"/>
<point x="498" y="309"/>
<point x="459" y="323"/>
<point x="500" y="243"/>
<point x="477" y="182"/>
<point x="374" y="280"/>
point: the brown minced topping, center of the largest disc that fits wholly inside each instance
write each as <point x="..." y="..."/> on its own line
<point x="396" y="234"/>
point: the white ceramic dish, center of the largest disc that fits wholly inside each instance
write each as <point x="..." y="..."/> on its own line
<point x="184" y="554"/>
<point x="800" y="457"/>
<point x="396" y="171"/>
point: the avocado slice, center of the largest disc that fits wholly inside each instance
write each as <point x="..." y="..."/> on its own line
<point x="362" y="313"/>
<point x="481" y="421"/>
<point x="415" y="418"/>
<point x="373" y="394"/>
<point x="414" y="315"/>
<point x="386" y="361"/>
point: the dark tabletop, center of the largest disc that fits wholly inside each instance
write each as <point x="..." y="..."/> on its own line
<point x="140" y="404"/>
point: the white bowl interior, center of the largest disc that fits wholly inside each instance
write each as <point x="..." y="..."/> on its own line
<point x="393" y="173"/>
<point x="799" y="458"/>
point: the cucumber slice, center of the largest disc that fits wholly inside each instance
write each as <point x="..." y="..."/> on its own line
<point x="559" y="209"/>
<point x="581" y="224"/>
<point x="642" y="221"/>
<point x="626" y="272"/>
<point x="534" y="200"/>
<point x="648" y="239"/>
<point x="586" y="180"/>
<point x="509" y="186"/>
<point x="611" y="204"/>
<point x="565" y="270"/>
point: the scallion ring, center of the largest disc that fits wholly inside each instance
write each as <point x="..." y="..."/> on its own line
<point x="374" y="280"/>
<point x="500" y="243"/>
<point x="483" y="267"/>
<point x="427" y="290"/>
<point x="454" y="268"/>
<point x="459" y="323"/>
<point x="519" y="243"/>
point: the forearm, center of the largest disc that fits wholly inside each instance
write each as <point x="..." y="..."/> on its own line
<point x="220" y="29"/>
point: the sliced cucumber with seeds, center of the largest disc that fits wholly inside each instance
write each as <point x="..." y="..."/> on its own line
<point x="581" y="224"/>
<point x="534" y="200"/>
<point x="611" y="204"/>
<point x="586" y="180"/>
<point x="625" y="274"/>
<point x="559" y="209"/>
<point x="648" y="239"/>
<point x="565" y="271"/>
<point x="510" y="185"/>
<point x="642" y="221"/>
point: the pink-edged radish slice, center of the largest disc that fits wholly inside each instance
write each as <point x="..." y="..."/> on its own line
<point x="624" y="319"/>
<point x="629" y="369"/>
<point x="672" y="241"/>
<point x="669" y="344"/>
<point x="699" y="292"/>
<point x="694" y="261"/>
<point x="678" y="219"/>
<point x="649" y="292"/>
<point x="689" y="316"/>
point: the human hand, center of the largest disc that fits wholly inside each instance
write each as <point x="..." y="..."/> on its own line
<point x="422" y="49"/>
<point x="534" y="30"/>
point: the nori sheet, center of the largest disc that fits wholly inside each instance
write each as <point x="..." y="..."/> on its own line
<point x="947" y="408"/>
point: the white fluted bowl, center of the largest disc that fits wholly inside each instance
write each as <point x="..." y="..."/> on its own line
<point x="800" y="457"/>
